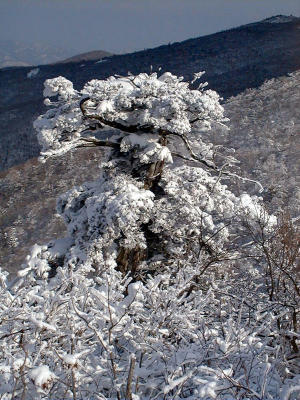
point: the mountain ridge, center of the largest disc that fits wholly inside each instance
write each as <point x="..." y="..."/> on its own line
<point x="87" y="56"/>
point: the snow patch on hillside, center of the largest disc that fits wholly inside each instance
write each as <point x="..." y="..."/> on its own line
<point x="33" y="73"/>
<point x="280" y="19"/>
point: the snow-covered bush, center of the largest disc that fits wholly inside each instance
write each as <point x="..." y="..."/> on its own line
<point x="159" y="290"/>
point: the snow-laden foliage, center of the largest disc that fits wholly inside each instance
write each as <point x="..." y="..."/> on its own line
<point x="142" y="103"/>
<point x="168" y="285"/>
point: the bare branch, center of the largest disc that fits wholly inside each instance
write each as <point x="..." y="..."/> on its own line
<point x="93" y="142"/>
<point x="212" y="166"/>
<point x="129" y="379"/>
<point x="193" y="155"/>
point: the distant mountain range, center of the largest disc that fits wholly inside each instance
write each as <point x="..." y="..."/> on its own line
<point x="15" y="53"/>
<point x="19" y="54"/>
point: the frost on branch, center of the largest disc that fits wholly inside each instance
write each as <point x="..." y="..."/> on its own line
<point x="164" y="286"/>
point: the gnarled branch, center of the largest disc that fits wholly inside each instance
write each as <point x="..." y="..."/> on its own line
<point x="114" y="124"/>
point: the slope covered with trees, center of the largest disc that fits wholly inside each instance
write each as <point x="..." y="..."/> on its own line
<point x="168" y="284"/>
<point x="265" y="132"/>
<point x="27" y="202"/>
<point x="235" y="60"/>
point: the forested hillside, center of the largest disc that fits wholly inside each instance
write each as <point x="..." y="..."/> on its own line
<point x="234" y="60"/>
<point x="265" y="131"/>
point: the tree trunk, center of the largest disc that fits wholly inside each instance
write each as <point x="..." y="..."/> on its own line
<point x="128" y="260"/>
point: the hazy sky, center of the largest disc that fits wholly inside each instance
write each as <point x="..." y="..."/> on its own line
<point x="127" y="25"/>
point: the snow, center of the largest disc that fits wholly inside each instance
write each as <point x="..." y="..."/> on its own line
<point x="280" y="19"/>
<point x="154" y="101"/>
<point x="70" y="359"/>
<point x="18" y="363"/>
<point x="36" y="261"/>
<point x="33" y="73"/>
<point x="175" y="383"/>
<point x="59" y="86"/>
<point x="42" y="376"/>
<point x="101" y="61"/>
<point x="105" y="106"/>
<point x="42" y="325"/>
<point x="294" y="389"/>
<point x="59" y="247"/>
<point x="151" y="151"/>
<point x="132" y="140"/>
<point x="3" y="278"/>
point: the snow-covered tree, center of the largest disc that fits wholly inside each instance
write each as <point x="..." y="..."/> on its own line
<point x="140" y="210"/>
<point x="153" y="294"/>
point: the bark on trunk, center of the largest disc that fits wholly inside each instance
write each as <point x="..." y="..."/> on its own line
<point x="128" y="260"/>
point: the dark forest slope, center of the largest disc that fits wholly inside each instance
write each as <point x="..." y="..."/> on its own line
<point x="234" y="60"/>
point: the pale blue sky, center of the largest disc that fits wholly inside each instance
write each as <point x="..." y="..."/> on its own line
<point x="128" y="25"/>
